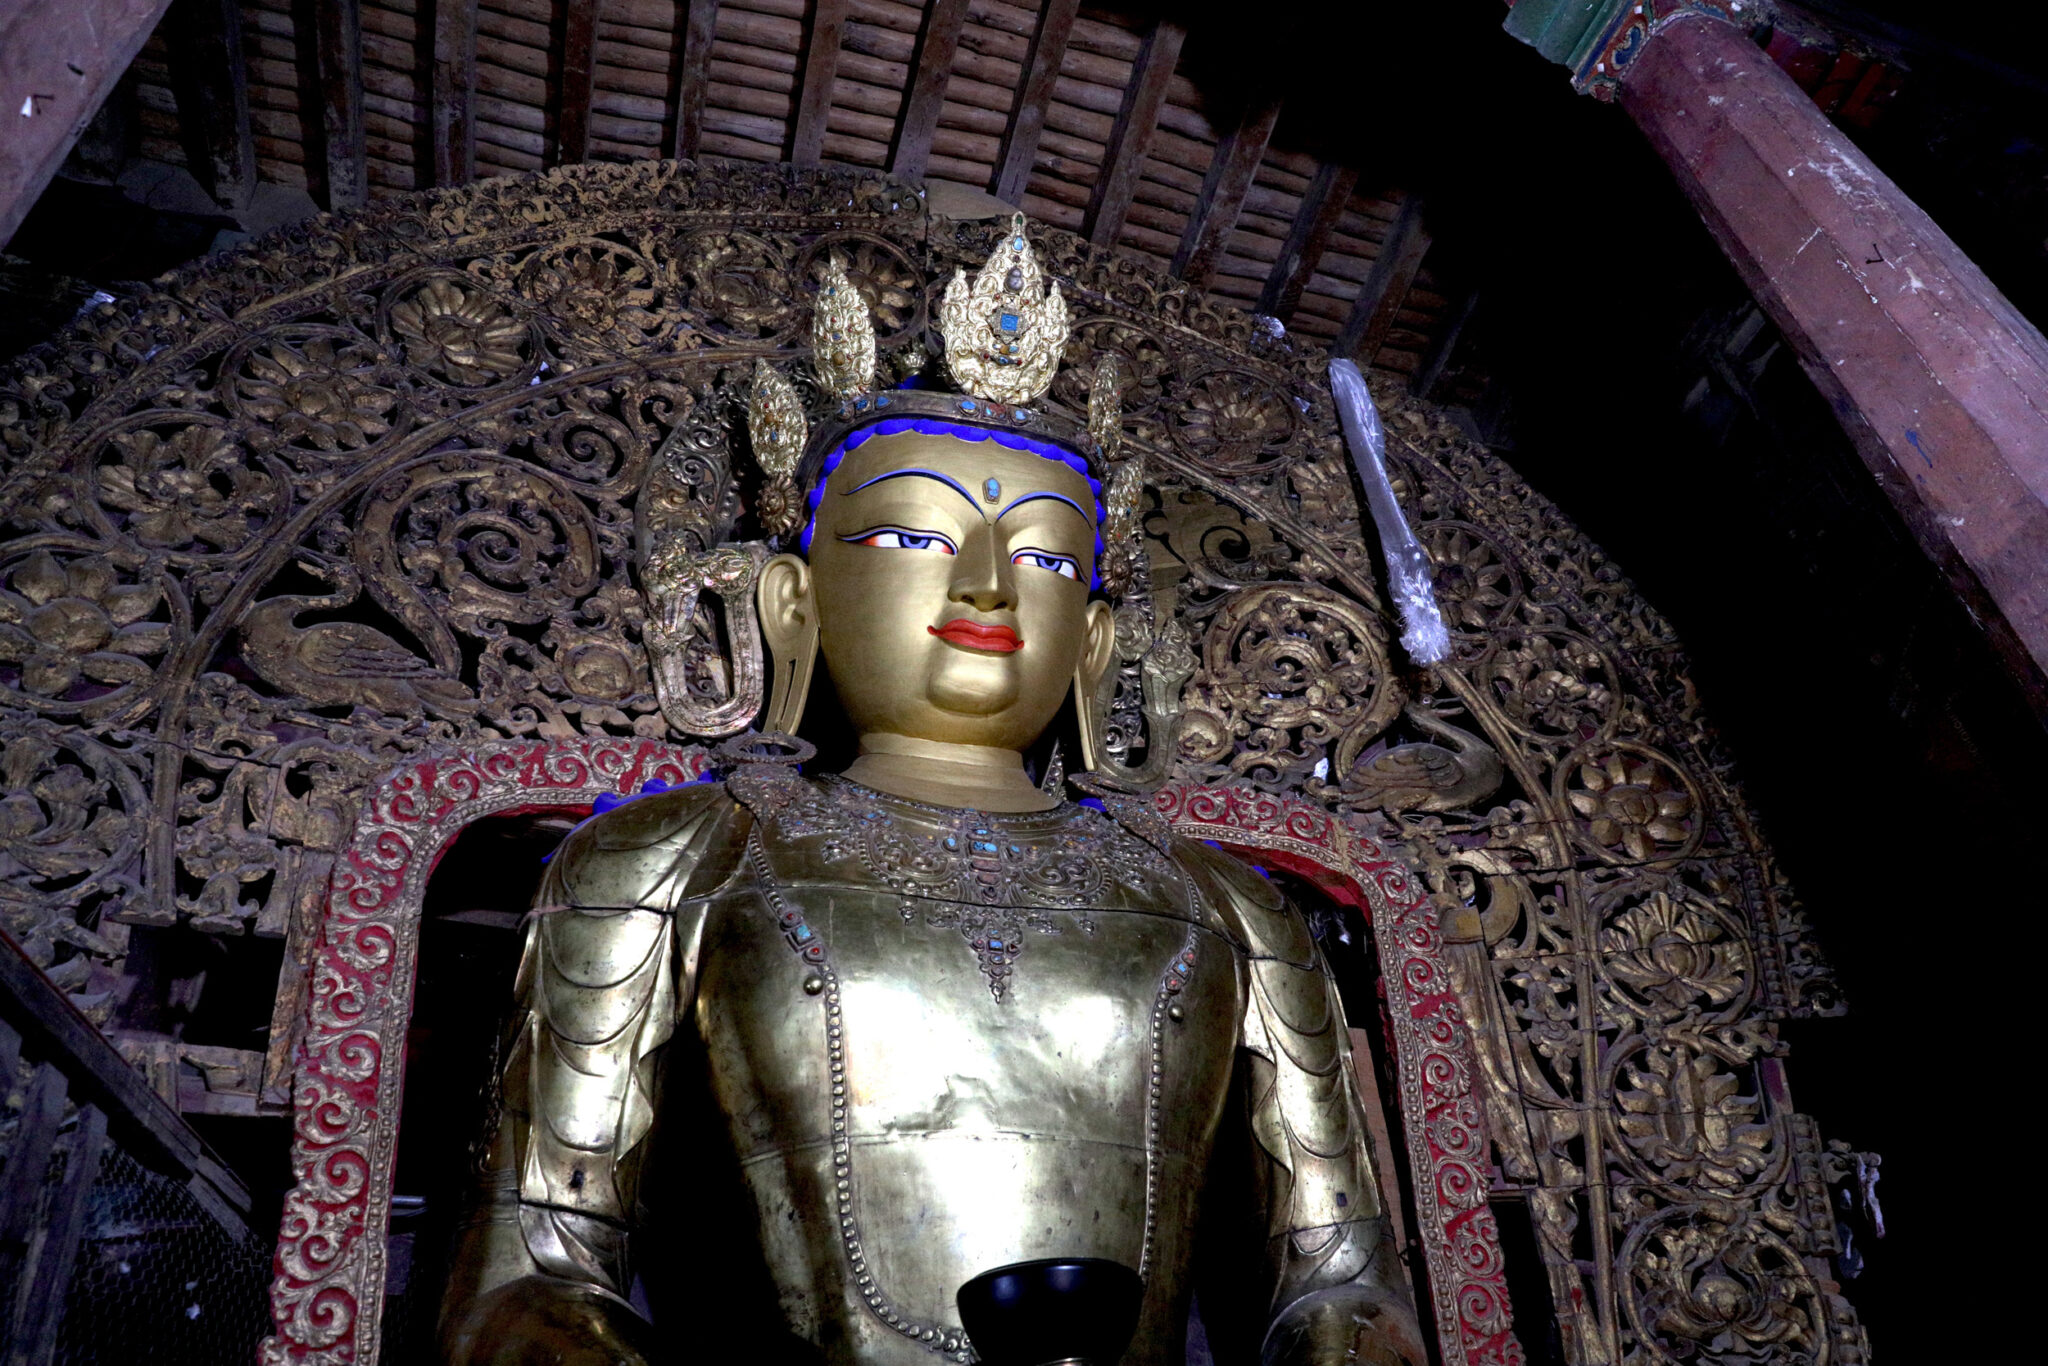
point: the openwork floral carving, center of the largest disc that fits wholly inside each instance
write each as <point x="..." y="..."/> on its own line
<point x="1232" y="421"/>
<point x="460" y="333"/>
<point x="75" y="632"/>
<point x="329" y="390"/>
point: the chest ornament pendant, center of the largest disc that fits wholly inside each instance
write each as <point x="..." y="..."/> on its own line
<point x="1000" y="883"/>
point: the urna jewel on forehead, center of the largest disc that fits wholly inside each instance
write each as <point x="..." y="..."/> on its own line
<point x="1005" y="330"/>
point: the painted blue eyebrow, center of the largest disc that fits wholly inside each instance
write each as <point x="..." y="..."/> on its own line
<point x="1056" y="497"/>
<point x="929" y="474"/>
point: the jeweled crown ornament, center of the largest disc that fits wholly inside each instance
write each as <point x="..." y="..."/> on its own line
<point x="1005" y="329"/>
<point x="842" y="334"/>
<point x="775" y="422"/>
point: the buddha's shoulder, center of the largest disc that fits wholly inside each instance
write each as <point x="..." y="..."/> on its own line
<point x="1268" y="923"/>
<point x="651" y="851"/>
<point x="1243" y="899"/>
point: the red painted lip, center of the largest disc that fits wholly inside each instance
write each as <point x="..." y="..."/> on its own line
<point x="973" y="635"/>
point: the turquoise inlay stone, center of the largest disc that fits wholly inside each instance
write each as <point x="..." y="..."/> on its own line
<point x="1007" y="321"/>
<point x="992" y="490"/>
<point x="803" y="932"/>
<point x="1016" y="244"/>
<point x="966" y="405"/>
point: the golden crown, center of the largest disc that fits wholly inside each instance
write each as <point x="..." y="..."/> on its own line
<point x="1005" y="332"/>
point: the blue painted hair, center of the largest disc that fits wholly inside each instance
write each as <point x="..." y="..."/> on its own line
<point x="926" y="426"/>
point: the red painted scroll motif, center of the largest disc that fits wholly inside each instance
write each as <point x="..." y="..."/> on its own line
<point x="328" y="1292"/>
<point x="1447" y="1148"/>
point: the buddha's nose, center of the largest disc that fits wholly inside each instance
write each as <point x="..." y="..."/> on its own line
<point x="983" y="576"/>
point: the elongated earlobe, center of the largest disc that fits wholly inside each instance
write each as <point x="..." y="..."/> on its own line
<point x="789" y="624"/>
<point x="1097" y="651"/>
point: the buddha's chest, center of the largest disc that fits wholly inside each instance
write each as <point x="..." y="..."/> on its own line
<point x="879" y="976"/>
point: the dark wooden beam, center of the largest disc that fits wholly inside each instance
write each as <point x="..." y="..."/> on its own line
<point x="42" y="1309"/>
<point x="1129" y="137"/>
<point x="1322" y="204"/>
<point x="338" y="59"/>
<point x="59" y="60"/>
<point x="1936" y="377"/>
<point x="1444" y="347"/>
<point x="209" y="77"/>
<point x="1386" y="286"/>
<point x="814" y="88"/>
<point x="53" y="1033"/>
<point x="454" y="92"/>
<point x="937" y="42"/>
<point x="1027" y="115"/>
<point x="579" y="73"/>
<point x="1229" y="179"/>
<point x="699" y="29"/>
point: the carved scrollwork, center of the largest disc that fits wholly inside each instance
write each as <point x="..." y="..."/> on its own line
<point x="1233" y="422"/>
<point x="1291" y="677"/>
<point x="1737" y="1290"/>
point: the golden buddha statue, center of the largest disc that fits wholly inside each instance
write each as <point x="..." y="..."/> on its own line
<point x="847" y="1043"/>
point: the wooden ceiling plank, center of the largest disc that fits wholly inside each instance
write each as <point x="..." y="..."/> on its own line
<point x="693" y="77"/>
<point x="1223" y="192"/>
<point x="210" y="78"/>
<point x="59" y="60"/>
<point x="814" y="90"/>
<point x="1027" y="115"/>
<point x="1322" y="204"/>
<point x="454" y="92"/>
<point x="1130" y="136"/>
<point x="937" y="44"/>
<point x="1386" y="286"/>
<point x="579" y="75"/>
<point x="338" y="62"/>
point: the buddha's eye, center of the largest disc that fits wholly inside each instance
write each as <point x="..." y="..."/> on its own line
<point x="898" y="538"/>
<point x="1063" y="565"/>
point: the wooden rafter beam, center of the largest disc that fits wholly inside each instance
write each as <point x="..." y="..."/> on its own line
<point x="1224" y="188"/>
<point x="209" y="77"/>
<point x="1322" y="204"/>
<point x="1386" y="286"/>
<point x="59" y="60"/>
<point x="814" y="82"/>
<point x="338" y="63"/>
<point x="1027" y="115"/>
<point x="700" y="27"/>
<point x="938" y="41"/>
<point x="454" y="92"/>
<point x="579" y="76"/>
<point x="1438" y="357"/>
<point x="1131" y="135"/>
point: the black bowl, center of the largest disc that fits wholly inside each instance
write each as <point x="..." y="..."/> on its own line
<point x="1061" y="1309"/>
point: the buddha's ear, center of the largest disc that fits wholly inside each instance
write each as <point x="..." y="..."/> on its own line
<point x="789" y="623"/>
<point x="1098" y="648"/>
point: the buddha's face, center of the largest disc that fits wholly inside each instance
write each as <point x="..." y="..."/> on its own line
<point x="950" y="584"/>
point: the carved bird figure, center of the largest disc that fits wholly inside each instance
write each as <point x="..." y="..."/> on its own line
<point x="1422" y="776"/>
<point x="342" y="663"/>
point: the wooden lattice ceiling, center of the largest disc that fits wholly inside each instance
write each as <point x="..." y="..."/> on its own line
<point x="1087" y="119"/>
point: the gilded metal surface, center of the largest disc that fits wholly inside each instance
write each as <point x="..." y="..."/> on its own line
<point x="842" y="333"/>
<point x="1006" y="329"/>
<point x="941" y="1040"/>
<point x="777" y="429"/>
<point x="373" y="491"/>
